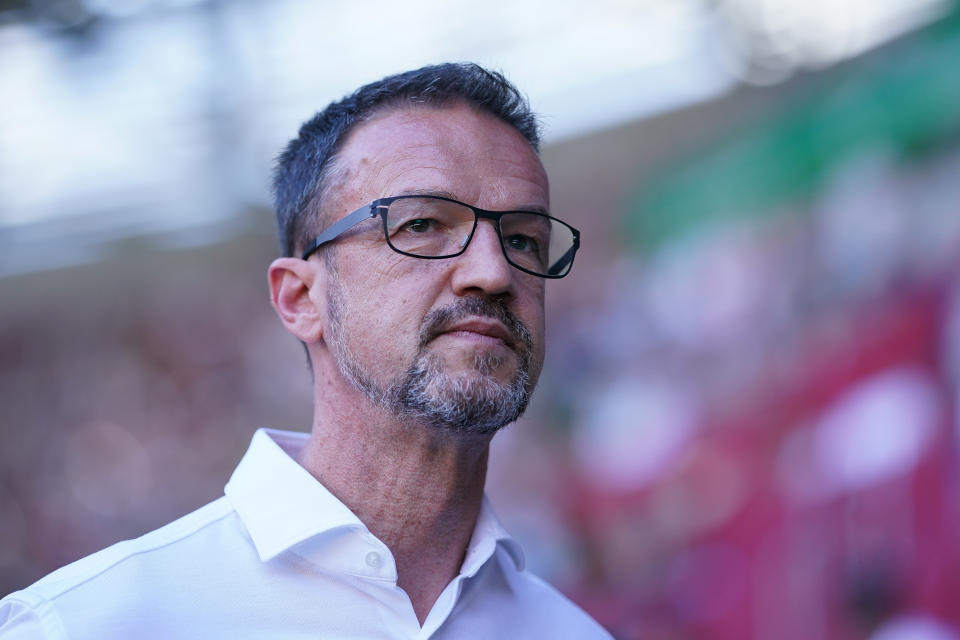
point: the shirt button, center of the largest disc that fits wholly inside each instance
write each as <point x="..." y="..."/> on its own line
<point x="374" y="560"/>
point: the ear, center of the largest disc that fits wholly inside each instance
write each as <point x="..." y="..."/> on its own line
<point x="297" y="292"/>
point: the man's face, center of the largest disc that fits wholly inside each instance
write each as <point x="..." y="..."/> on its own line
<point x="456" y="342"/>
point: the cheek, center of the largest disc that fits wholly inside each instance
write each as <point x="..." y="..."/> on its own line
<point x="532" y="314"/>
<point x="389" y="302"/>
<point x="539" y="343"/>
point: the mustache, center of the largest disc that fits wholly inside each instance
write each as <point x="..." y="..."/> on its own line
<point x="439" y="320"/>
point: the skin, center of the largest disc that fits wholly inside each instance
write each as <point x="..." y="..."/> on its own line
<point x="417" y="488"/>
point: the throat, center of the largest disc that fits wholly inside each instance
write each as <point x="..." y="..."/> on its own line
<point x="425" y="513"/>
<point x="418" y="490"/>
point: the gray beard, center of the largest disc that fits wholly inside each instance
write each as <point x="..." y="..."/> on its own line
<point x="475" y="405"/>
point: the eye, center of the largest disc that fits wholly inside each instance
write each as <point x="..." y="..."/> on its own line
<point x="521" y="243"/>
<point x="419" y="225"/>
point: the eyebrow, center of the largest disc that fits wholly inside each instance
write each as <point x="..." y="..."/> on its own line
<point x="442" y="193"/>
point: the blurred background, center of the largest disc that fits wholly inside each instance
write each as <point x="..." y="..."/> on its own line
<point x="747" y="424"/>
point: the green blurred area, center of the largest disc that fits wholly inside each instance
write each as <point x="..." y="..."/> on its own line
<point x="905" y="101"/>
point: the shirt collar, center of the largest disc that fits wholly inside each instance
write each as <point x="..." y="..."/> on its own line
<point x="278" y="501"/>
<point x="282" y="505"/>
<point x="488" y="533"/>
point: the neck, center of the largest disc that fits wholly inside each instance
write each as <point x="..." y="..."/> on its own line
<point x="417" y="490"/>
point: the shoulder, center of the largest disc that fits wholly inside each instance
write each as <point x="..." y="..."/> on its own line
<point x="554" y="611"/>
<point x="506" y="600"/>
<point x="114" y="577"/>
<point x="99" y="566"/>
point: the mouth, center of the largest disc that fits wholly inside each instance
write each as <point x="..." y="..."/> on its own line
<point x="481" y="321"/>
<point x="480" y="330"/>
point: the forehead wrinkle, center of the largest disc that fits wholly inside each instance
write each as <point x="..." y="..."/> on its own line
<point x="400" y="175"/>
<point x="502" y="176"/>
<point x="499" y="172"/>
<point x="388" y="173"/>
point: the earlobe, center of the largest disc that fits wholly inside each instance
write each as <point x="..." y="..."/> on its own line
<point x="296" y="286"/>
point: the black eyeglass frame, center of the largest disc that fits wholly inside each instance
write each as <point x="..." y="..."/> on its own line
<point x="380" y="206"/>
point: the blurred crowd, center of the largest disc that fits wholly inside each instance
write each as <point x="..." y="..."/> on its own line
<point x="760" y="425"/>
<point x="129" y="391"/>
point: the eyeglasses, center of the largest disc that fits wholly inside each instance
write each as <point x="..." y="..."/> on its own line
<point x="434" y="227"/>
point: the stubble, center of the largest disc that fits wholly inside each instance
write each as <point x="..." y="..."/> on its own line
<point x="475" y="404"/>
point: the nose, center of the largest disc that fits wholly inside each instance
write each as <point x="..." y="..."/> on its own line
<point x="482" y="268"/>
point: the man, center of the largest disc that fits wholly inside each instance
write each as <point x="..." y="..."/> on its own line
<point x="416" y="239"/>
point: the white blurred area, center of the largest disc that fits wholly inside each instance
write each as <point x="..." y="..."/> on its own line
<point x="161" y="118"/>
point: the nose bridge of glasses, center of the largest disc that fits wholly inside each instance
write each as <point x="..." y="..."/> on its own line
<point x="505" y="224"/>
<point x="489" y="219"/>
<point x="485" y="225"/>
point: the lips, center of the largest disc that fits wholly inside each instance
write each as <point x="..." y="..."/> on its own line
<point x="484" y="328"/>
<point x="483" y="316"/>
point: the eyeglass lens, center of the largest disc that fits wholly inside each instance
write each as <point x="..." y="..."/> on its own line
<point x="432" y="227"/>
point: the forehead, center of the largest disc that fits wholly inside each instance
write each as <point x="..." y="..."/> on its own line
<point x="470" y="155"/>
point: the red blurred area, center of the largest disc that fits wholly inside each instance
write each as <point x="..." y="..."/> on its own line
<point x="748" y="534"/>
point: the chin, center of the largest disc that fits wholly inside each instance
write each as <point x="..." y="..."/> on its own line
<point x="475" y="402"/>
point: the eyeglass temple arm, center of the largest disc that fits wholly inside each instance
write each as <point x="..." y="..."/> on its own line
<point x="338" y="227"/>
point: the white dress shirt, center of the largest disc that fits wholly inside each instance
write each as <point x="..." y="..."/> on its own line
<point x="280" y="557"/>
